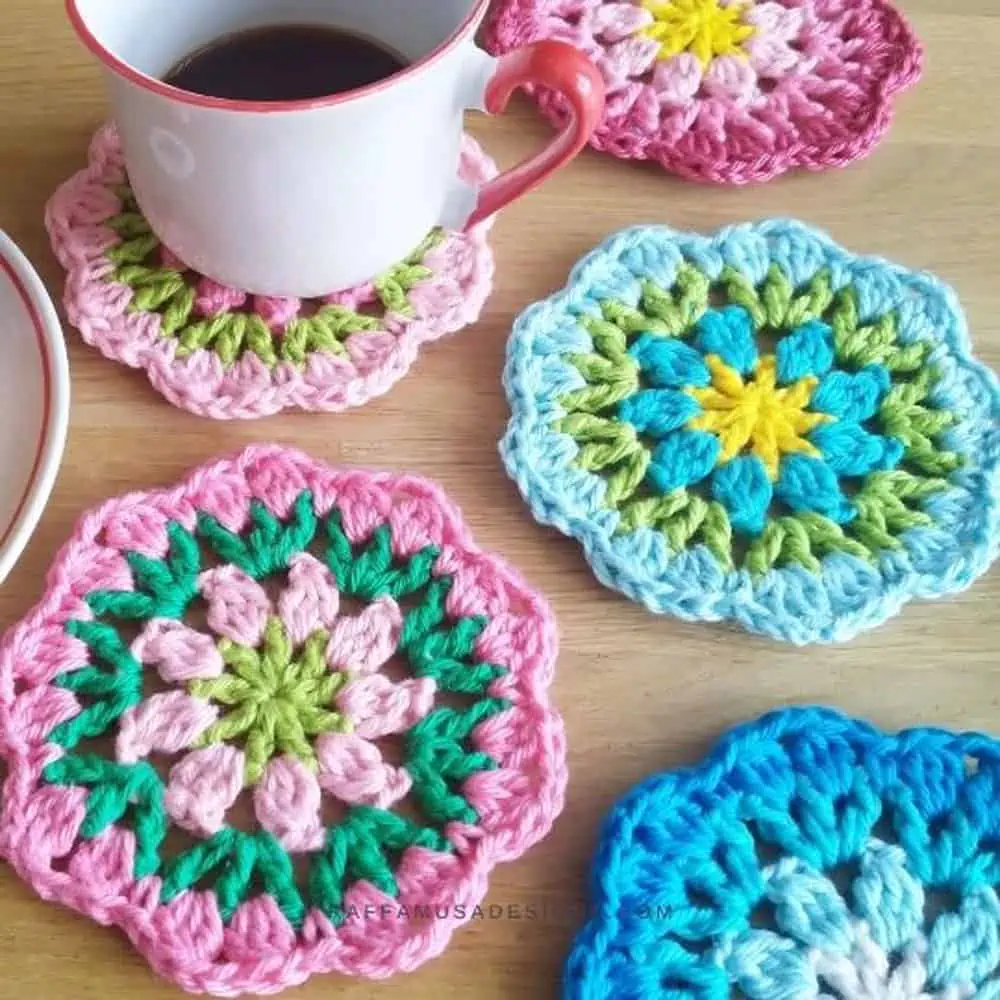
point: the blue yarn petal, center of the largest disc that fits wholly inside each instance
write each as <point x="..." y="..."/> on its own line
<point x="808" y="350"/>
<point x="684" y="458"/>
<point x="657" y="412"/>
<point x="852" y="396"/>
<point x="964" y="947"/>
<point x="767" y="966"/>
<point x="808" y="906"/>
<point x="888" y="896"/>
<point x="729" y="333"/>
<point x="744" y="488"/>
<point x="667" y="363"/>
<point x="849" y="450"/>
<point x="809" y="484"/>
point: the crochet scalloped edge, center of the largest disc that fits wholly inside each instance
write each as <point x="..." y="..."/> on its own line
<point x="330" y="955"/>
<point x="129" y="340"/>
<point x="504" y="32"/>
<point x="628" y="577"/>
<point x="704" y="777"/>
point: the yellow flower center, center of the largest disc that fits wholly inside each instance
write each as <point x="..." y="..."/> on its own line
<point x="706" y="28"/>
<point x="756" y="414"/>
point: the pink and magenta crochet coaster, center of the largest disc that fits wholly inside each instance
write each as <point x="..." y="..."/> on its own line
<point x="730" y="91"/>
<point x="221" y="353"/>
<point x="278" y="720"/>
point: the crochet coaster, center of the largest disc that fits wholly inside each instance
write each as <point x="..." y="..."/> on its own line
<point x="809" y="855"/>
<point x="220" y="353"/>
<point x="730" y="91"/>
<point x="276" y="721"/>
<point x="758" y="426"/>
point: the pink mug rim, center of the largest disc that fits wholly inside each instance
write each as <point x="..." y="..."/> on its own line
<point x="161" y="89"/>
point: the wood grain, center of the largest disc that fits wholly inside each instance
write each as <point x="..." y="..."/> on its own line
<point x="638" y="693"/>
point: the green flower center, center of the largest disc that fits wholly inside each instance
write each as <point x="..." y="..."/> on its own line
<point x="277" y="699"/>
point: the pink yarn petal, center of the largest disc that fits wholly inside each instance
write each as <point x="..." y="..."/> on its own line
<point x="378" y="707"/>
<point x="164" y="723"/>
<point x="774" y="20"/>
<point x="213" y="298"/>
<point x="203" y="786"/>
<point x="732" y="78"/>
<point x="276" y="312"/>
<point x="677" y="80"/>
<point x="287" y="803"/>
<point x="615" y="21"/>
<point x="311" y="599"/>
<point x="238" y="607"/>
<point x="628" y="60"/>
<point x="352" y="769"/>
<point x="361" y="644"/>
<point x="178" y="652"/>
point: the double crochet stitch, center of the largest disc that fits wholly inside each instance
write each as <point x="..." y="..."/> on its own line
<point x="221" y="353"/>
<point x="758" y="426"/>
<point x="278" y="720"/>
<point x="809" y="855"/>
<point x="731" y="91"/>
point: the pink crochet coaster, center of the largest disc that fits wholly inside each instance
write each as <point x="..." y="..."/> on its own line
<point x="221" y="353"/>
<point x="279" y="720"/>
<point x="730" y="91"/>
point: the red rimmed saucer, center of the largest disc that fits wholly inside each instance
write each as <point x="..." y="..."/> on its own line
<point x="34" y="400"/>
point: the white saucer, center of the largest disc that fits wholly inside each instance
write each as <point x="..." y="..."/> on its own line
<point x="34" y="400"/>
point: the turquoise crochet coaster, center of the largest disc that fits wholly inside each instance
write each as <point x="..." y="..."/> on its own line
<point x="758" y="426"/>
<point x="809" y="856"/>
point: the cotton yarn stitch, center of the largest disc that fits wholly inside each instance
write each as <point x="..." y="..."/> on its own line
<point x="220" y="353"/>
<point x="730" y="91"/>
<point x="279" y="720"/>
<point x="809" y="855"/>
<point x="758" y="427"/>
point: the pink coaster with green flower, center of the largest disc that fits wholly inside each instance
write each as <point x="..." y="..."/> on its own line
<point x="278" y="720"/>
<point x="222" y="353"/>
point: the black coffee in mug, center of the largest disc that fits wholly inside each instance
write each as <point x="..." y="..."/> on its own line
<point x="290" y="62"/>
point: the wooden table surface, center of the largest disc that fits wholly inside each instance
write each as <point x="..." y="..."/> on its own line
<point x="639" y="693"/>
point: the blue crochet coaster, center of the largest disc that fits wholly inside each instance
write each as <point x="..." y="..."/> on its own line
<point x="758" y="426"/>
<point x="809" y="856"/>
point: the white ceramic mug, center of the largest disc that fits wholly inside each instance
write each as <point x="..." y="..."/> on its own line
<point x="307" y="197"/>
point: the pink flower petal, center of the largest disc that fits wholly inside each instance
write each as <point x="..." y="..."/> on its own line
<point x="276" y="312"/>
<point x="238" y="607"/>
<point x="615" y="21"/>
<point x="628" y="60"/>
<point x="287" y="803"/>
<point x="363" y="643"/>
<point x="178" y="652"/>
<point x="203" y="786"/>
<point x="165" y="723"/>
<point x="775" y="20"/>
<point x="677" y="80"/>
<point x="732" y="78"/>
<point x="311" y="599"/>
<point x="378" y="707"/>
<point x="213" y="298"/>
<point x="353" y="770"/>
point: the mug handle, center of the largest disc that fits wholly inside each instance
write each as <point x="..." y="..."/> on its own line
<point x="560" y="67"/>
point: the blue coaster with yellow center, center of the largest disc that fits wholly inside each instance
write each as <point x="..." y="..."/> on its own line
<point x="758" y="427"/>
